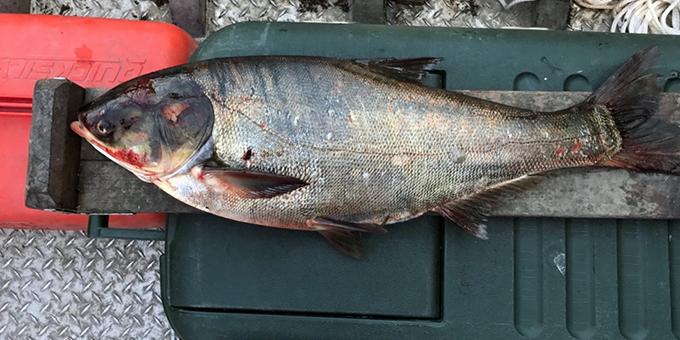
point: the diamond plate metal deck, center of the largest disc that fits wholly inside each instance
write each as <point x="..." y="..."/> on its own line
<point x="226" y="12"/>
<point x="584" y="19"/>
<point x="121" y="9"/>
<point x="63" y="285"/>
<point x="462" y="13"/>
<point x="220" y="13"/>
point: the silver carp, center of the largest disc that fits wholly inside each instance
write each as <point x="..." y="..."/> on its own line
<point x="347" y="146"/>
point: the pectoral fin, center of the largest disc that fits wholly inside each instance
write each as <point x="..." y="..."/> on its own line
<point x="343" y="236"/>
<point x="470" y="213"/>
<point x="252" y="184"/>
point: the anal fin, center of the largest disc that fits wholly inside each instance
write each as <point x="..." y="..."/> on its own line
<point x="343" y="236"/>
<point x="470" y="212"/>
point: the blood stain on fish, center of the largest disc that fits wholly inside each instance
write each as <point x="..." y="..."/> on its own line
<point x="248" y="154"/>
<point x="576" y="147"/>
<point x="129" y="157"/>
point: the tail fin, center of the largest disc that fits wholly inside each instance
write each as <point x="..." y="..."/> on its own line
<point x="632" y="97"/>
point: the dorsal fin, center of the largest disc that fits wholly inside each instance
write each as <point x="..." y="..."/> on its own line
<point x="471" y="212"/>
<point x="413" y="69"/>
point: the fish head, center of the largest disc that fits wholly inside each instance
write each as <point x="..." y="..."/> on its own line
<point x="151" y="126"/>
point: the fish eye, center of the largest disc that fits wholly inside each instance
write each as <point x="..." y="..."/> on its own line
<point x="104" y="127"/>
<point x="174" y="95"/>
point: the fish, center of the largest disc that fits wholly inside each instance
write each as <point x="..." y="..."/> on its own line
<point x="344" y="147"/>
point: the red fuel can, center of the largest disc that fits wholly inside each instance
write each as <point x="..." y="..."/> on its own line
<point x="92" y="52"/>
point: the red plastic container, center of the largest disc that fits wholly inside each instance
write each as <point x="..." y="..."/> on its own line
<point x="92" y="52"/>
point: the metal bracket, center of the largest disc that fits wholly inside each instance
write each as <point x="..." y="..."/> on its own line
<point x="15" y="6"/>
<point x="552" y="14"/>
<point x="98" y="227"/>
<point x="367" y="11"/>
<point x="189" y="15"/>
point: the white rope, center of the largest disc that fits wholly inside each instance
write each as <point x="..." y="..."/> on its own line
<point x="632" y="16"/>
<point x="647" y="16"/>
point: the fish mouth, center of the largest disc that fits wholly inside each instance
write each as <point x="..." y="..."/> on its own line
<point x="79" y="128"/>
<point x="81" y="131"/>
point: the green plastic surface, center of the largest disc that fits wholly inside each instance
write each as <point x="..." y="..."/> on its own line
<point x="282" y="278"/>
<point x="543" y="278"/>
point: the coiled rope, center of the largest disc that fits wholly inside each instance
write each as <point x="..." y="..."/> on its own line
<point x="647" y="16"/>
<point x="632" y="16"/>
